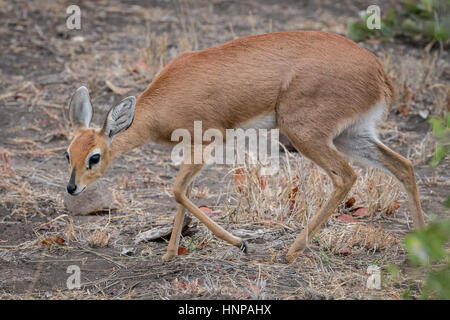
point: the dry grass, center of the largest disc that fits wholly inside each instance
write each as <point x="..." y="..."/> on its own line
<point x="420" y="91"/>
<point x="298" y="190"/>
<point x="270" y="211"/>
<point x="417" y="82"/>
<point x="271" y="217"/>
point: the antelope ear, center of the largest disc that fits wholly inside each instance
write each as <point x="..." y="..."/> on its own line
<point x="80" y="109"/>
<point x="119" y="118"/>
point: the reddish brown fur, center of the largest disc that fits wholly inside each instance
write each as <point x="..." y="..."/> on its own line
<point x="317" y="83"/>
<point x="242" y="79"/>
<point x="85" y="141"/>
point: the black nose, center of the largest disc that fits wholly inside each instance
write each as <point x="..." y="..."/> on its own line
<point x="71" y="188"/>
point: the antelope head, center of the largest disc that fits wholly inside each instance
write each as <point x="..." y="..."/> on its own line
<point x="88" y="154"/>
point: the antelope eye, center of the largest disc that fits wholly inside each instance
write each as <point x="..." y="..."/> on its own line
<point x="66" y="155"/>
<point x="94" y="159"/>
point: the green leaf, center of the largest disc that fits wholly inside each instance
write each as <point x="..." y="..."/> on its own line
<point x="429" y="28"/>
<point x="391" y="18"/>
<point x="387" y="30"/>
<point x="437" y="125"/>
<point x="438" y="156"/>
<point x="428" y="5"/>
<point x="393" y="271"/>
<point x="427" y="245"/>
<point x="413" y="7"/>
<point x="417" y="253"/>
<point x="406" y="295"/>
<point x="358" y="31"/>
<point x="437" y="284"/>
<point x="447" y="202"/>
<point x="411" y="27"/>
<point x="440" y="33"/>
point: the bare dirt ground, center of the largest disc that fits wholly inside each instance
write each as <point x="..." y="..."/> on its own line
<point x="125" y="43"/>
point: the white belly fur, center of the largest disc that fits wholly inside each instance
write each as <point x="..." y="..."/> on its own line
<point x="267" y="121"/>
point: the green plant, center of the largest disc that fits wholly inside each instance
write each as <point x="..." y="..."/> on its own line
<point x="441" y="132"/>
<point x="358" y="31"/>
<point x="428" y="247"/>
<point x="424" y="20"/>
<point x="427" y="250"/>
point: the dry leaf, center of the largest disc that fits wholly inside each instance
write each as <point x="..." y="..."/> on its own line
<point x="210" y="212"/>
<point x="239" y="178"/>
<point x="49" y="241"/>
<point x="408" y="94"/>
<point x="182" y="250"/>
<point x="262" y="182"/>
<point x="59" y="240"/>
<point x="393" y="208"/>
<point x="403" y="110"/>
<point x="292" y="197"/>
<point x="206" y="209"/>
<point x="140" y="67"/>
<point x="345" y="251"/>
<point x="350" y="202"/>
<point x="361" y="212"/>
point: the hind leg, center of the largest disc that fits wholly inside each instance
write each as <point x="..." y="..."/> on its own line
<point x="367" y="149"/>
<point x="403" y="170"/>
<point x="310" y="123"/>
<point x="343" y="178"/>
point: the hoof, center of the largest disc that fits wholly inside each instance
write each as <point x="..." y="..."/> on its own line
<point x="283" y="260"/>
<point x="289" y="258"/>
<point x="243" y="247"/>
<point x="168" y="256"/>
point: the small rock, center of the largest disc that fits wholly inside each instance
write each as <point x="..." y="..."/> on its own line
<point x="97" y="197"/>
<point x="127" y="251"/>
<point x="78" y="39"/>
<point x="424" y="114"/>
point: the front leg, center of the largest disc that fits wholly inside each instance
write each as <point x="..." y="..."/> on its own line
<point x="172" y="249"/>
<point x="185" y="176"/>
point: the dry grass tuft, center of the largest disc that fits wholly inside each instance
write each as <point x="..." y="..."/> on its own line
<point x="298" y="190"/>
<point x="99" y="238"/>
<point x="356" y="237"/>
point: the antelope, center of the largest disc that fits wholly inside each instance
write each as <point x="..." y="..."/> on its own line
<point x="323" y="91"/>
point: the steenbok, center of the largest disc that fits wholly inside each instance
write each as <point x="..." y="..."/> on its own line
<point x="323" y="91"/>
